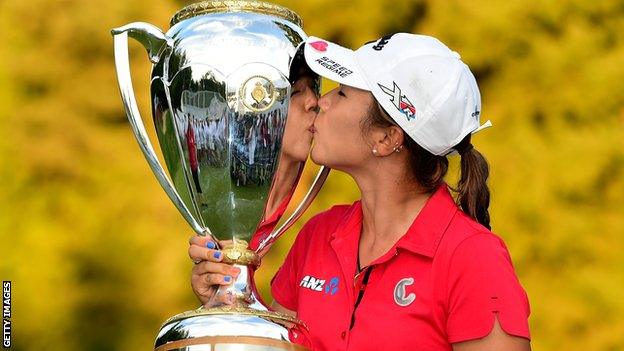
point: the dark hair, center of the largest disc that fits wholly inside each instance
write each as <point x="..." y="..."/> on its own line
<point x="299" y="69"/>
<point x="429" y="170"/>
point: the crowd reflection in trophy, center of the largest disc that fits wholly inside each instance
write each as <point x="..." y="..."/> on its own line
<point x="203" y="116"/>
<point x="253" y="160"/>
<point x="201" y="121"/>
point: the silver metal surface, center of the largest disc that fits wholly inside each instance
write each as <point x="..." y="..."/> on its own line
<point x="221" y="325"/>
<point x="220" y="94"/>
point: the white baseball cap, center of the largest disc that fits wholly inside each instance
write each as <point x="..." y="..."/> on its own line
<point x="421" y="83"/>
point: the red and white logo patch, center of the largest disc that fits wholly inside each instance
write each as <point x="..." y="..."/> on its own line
<point x="319" y="45"/>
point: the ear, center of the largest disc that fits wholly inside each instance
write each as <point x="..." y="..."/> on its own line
<point x="391" y="138"/>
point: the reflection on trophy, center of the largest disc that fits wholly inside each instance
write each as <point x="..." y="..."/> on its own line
<point x="220" y="92"/>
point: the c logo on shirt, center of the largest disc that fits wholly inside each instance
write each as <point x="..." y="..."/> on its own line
<point x="399" y="292"/>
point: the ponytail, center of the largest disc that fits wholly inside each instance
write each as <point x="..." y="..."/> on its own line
<point x="472" y="189"/>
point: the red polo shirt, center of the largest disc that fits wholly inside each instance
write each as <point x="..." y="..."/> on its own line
<point x="443" y="282"/>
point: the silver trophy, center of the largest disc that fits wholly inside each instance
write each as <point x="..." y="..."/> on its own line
<point x="220" y="92"/>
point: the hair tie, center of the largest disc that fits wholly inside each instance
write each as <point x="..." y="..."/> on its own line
<point x="464" y="149"/>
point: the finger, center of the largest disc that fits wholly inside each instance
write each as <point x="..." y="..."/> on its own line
<point x="206" y="285"/>
<point x="211" y="279"/>
<point x="202" y="241"/>
<point x="198" y="253"/>
<point x="203" y="292"/>
<point x="215" y="267"/>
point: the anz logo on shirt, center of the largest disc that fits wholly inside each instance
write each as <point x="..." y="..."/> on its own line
<point x="316" y="284"/>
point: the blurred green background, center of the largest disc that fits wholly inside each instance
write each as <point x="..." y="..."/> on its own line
<point x="97" y="253"/>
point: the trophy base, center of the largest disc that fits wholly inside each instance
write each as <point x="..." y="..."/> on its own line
<point x="242" y="324"/>
<point x="227" y="328"/>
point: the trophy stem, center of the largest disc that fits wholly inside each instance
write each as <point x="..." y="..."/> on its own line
<point x="239" y="293"/>
<point x="238" y="253"/>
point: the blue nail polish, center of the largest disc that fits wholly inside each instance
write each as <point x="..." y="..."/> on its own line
<point x="217" y="254"/>
<point x="227" y="278"/>
<point x="211" y="245"/>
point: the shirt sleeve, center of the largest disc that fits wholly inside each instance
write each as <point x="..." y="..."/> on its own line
<point x="286" y="281"/>
<point x="482" y="285"/>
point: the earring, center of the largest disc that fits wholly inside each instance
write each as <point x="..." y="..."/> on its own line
<point x="374" y="151"/>
<point x="398" y="149"/>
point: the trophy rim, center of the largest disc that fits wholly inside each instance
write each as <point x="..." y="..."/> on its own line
<point x="254" y="6"/>
<point x="273" y="316"/>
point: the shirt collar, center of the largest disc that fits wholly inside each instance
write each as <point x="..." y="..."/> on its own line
<point x="426" y="231"/>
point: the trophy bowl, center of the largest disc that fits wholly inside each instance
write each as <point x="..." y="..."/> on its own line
<point x="220" y="92"/>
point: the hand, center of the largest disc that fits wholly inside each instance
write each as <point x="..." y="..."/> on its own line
<point x="209" y="273"/>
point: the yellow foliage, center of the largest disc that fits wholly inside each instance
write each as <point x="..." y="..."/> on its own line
<point x="97" y="254"/>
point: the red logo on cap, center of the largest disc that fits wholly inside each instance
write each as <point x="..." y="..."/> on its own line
<point x="404" y="106"/>
<point x="319" y="45"/>
<point x="399" y="100"/>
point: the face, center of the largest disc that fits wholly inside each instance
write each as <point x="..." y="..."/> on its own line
<point x="338" y="139"/>
<point x="301" y="113"/>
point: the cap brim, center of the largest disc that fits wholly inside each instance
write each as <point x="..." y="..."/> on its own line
<point x="333" y="62"/>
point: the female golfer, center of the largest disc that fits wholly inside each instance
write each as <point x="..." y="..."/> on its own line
<point x="407" y="267"/>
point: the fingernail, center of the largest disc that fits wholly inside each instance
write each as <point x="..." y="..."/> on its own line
<point x="217" y="254"/>
<point x="227" y="278"/>
<point x="211" y="245"/>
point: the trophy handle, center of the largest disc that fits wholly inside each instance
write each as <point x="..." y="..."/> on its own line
<point x="318" y="182"/>
<point x="155" y="41"/>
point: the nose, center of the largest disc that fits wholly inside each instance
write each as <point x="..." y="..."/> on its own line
<point x="324" y="103"/>
<point x="311" y="103"/>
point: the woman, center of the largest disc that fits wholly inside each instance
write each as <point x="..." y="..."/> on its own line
<point x="404" y="268"/>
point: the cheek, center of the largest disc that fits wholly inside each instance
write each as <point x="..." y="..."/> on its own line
<point x="344" y="123"/>
<point x="340" y="133"/>
<point x="293" y="117"/>
<point x="297" y="139"/>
